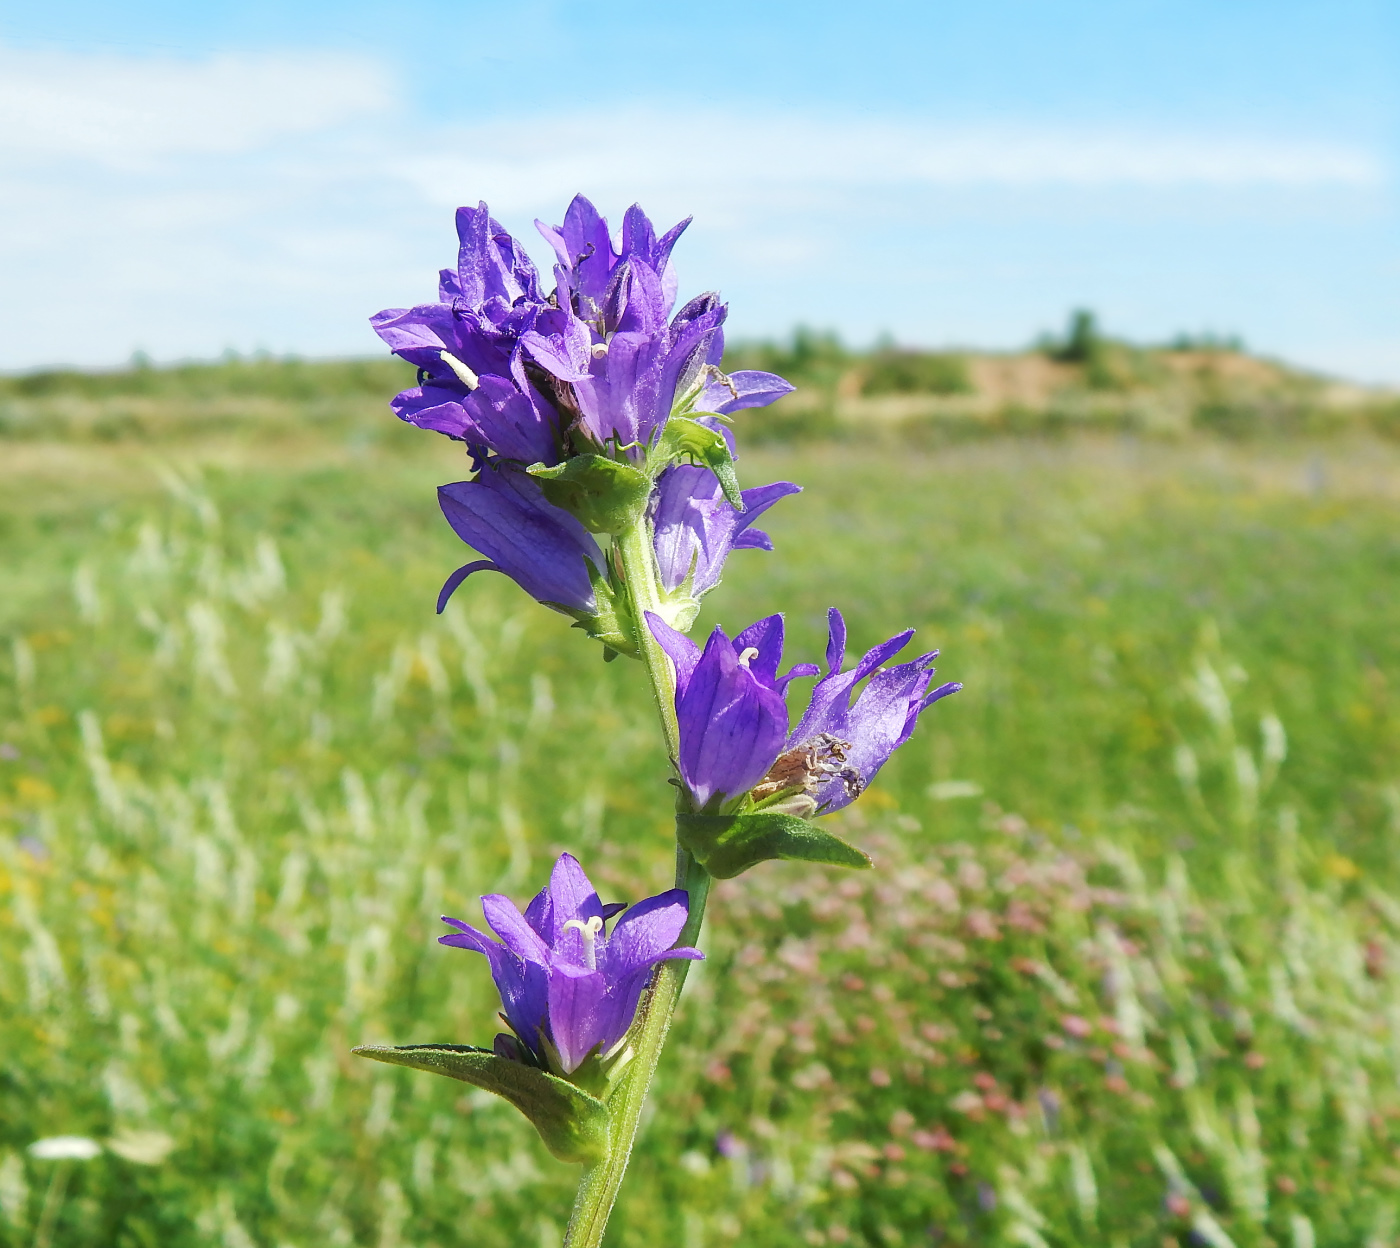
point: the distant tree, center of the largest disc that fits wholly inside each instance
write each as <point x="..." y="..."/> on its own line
<point x="1082" y="342"/>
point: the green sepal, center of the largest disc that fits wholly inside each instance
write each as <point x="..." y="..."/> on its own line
<point x="606" y="496"/>
<point x="727" y="845"/>
<point x="684" y="438"/>
<point x="679" y="610"/>
<point x="611" y="623"/>
<point x="573" y="1125"/>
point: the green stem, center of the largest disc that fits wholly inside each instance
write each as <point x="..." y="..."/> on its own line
<point x="643" y="590"/>
<point x="598" y="1189"/>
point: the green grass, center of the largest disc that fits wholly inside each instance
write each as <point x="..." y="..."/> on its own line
<point x="253" y="768"/>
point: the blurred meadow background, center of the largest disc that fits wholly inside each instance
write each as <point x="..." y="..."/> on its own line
<point x="1126" y="971"/>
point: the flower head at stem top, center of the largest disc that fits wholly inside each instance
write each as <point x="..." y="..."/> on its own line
<point x="536" y="378"/>
<point x="569" y="988"/>
<point x="736" y="752"/>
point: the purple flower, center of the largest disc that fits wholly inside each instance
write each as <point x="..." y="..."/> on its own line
<point x="735" y="747"/>
<point x="588" y="260"/>
<point x="729" y="703"/>
<point x="541" y="547"/>
<point x="840" y="746"/>
<point x="472" y="383"/>
<point x="611" y="343"/>
<point x="603" y="358"/>
<point x="566" y="984"/>
<point x="695" y="528"/>
<point x="625" y="378"/>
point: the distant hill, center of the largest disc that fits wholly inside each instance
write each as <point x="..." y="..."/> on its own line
<point x="1085" y="381"/>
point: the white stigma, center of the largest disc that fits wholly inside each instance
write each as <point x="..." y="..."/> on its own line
<point x="589" y="932"/>
<point x="464" y="374"/>
<point x="599" y="350"/>
<point x="748" y="656"/>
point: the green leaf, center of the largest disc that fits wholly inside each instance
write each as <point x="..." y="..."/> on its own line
<point x="727" y="845"/>
<point x="689" y="439"/>
<point x="573" y="1125"/>
<point x="605" y="495"/>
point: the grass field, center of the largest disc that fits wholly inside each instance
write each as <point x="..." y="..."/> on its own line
<point x="1125" y="972"/>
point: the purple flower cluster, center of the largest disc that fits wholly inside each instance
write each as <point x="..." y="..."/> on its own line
<point x="569" y="988"/>
<point x="736" y="751"/>
<point x="600" y="365"/>
<point x="515" y="373"/>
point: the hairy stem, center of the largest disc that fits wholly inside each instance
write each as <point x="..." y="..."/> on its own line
<point x="598" y="1189"/>
<point x="644" y="592"/>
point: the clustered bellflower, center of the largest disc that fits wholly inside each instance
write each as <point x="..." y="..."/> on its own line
<point x="598" y="365"/>
<point x="569" y="988"/>
<point x="596" y="420"/>
<point x="735" y="747"/>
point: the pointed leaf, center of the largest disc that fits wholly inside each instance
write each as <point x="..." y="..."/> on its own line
<point x="606" y="496"/>
<point x="572" y="1124"/>
<point x="727" y="845"/>
<point x="689" y="439"/>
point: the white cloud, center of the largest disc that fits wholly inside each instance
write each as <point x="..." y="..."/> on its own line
<point x="723" y="160"/>
<point x="120" y="110"/>
<point x="184" y="206"/>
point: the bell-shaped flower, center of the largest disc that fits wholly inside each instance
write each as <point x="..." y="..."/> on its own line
<point x="729" y="705"/>
<point x="625" y="380"/>
<point x="504" y="514"/>
<point x="629" y="369"/>
<point x="695" y="528"/>
<point x="736" y="751"/>
<point x="839" y="745"/>
<point x="569" y="987"/>
<point x="472" y="383"/>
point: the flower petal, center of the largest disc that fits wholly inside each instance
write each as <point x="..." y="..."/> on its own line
<point x="765" y="636"/>
<point x="836" y="641"/>
<point x="576" y="1009"/>
<point x="516" y="424"/>
<point x="942" y="691"/>
<point x="732" y="725"/>
<point x="509" y="924"/>
<point x="569" y="897"/>
<point x="503" y="513"/>
<point x="750" y="389"/>
<point x="437" y="408"/>
<point x="620" y="1007"/>
<point x="523" y="986"/>
<point x="449" y="586"/>
<point x="647" y="929"/>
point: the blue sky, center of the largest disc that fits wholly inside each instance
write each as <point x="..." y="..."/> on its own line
<point x="183" y="179"/>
